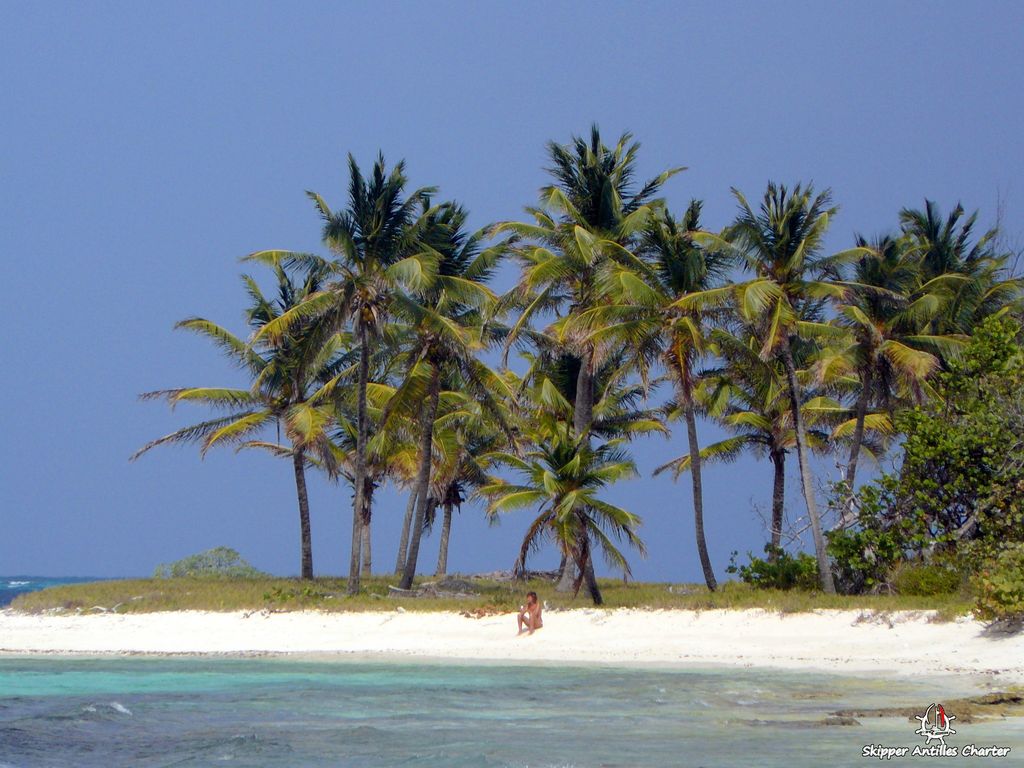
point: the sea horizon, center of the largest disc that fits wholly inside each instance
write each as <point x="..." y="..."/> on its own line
<point x="12" y="586"/>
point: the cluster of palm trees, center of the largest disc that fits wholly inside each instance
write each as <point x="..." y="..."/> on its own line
<point x="371" y="363"/>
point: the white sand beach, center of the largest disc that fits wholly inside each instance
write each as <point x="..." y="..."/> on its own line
<point x="838" y="641"/>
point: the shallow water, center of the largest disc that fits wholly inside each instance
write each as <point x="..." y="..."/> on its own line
<point x="274" y="712"/>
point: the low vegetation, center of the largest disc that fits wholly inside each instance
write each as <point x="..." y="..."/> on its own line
<point x="483" y="597"/>
<point x="219" y="562"/>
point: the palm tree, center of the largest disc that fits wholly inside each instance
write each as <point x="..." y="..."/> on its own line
<point x="748" y="396"/>
<point x="467" y="433"/>
<point x="550" y="380"/>
<point x="462" y="432"/>
<point x="563" y="475"/>
<point x="590" y="214"/>
<point x="781" y="243"/>
<point x="375" y="241"/>
<point x="550" y="385"/>
<point x="292" y="381"/>
<point x="643" y="312"/>
<point x="887" y="308"/>
<point x="946" y="248"/>
<point x="390" y="456"/>
<point x="447" y="321"/>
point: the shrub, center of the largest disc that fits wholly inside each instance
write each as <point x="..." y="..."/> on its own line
<point x="219" y="562"/>
<point x="925" y="579"/>
<point x="783" y="572"/>
<point x="1000" y="586"/>
<point x="885" y="535"/>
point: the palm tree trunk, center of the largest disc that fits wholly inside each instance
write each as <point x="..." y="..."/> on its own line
<point x="367" y="544"/>
<point x="442" y="553"/>
<point x="422" y="478"/>
<point x="567" y="577"/>
<point x="695" y="477"/>
<point x="583" y="410"/>
<point x="858" y="439"/>
<point x="824" y="568"/>
<point x="362" y="433"/>
<point x="582" y="417"/>
<point x="590" y="579"/>
<point x="367" y="568"/>
<point x="306" y="538"/>
<point x="778" y="502"/>
<point x="403" y="542"/>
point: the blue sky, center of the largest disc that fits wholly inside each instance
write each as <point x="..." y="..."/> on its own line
<point x="145" y="148"/>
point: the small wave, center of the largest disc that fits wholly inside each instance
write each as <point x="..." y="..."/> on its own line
<point x="105" y="709"/>
<point x="16" y="584"/>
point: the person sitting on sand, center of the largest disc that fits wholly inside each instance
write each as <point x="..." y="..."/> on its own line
<point x="529" y="615"/>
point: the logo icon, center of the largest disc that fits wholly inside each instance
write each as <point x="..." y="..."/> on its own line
<point x="935" y="724"/>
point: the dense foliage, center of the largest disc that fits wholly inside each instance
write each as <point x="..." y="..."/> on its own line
<point x="371" y="365"/>
<point x="956" y="499"/>
<point x="1000" y="585"/>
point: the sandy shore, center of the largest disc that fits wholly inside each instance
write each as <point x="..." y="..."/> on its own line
<point x="838" y="641"/>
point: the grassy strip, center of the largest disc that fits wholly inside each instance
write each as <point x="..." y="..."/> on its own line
<point x="149" y="595"/>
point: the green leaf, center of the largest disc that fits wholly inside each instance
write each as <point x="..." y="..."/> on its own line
<point x="236" y="430"/>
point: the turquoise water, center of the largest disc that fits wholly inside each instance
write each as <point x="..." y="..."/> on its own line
<point x="144" y="712"/>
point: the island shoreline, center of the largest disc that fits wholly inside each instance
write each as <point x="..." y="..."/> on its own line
<point x="830" y="641"/>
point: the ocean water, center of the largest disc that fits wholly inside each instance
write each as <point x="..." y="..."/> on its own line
<point x="145" y="712"/>
<point x="12" y="586"/>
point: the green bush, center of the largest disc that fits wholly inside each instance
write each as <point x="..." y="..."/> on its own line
<point x="783" y="572"/>
<point x="1000" y="586"/>
<point x="219" y="562"/>
<point x="925" y="579"/>
<point x="865" y="555"/>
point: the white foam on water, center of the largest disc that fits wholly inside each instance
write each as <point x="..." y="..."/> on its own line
<point x="17" y="584"/>
<point x="119" y="707"/>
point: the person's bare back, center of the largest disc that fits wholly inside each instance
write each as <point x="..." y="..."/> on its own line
<point x="530" y="615"/>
